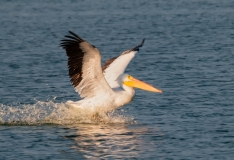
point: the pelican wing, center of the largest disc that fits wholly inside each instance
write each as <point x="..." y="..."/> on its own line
<point x="117" y="65"/>
<point x="84" y="63"/>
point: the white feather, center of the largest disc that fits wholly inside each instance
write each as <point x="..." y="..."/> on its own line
<point x="117" y="67"/>
<point x="93" y="82"/>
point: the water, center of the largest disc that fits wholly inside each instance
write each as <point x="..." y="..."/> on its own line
<point x="188" y="53"/>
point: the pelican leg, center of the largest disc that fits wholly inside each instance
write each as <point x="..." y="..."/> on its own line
<point x="99" y="117"/>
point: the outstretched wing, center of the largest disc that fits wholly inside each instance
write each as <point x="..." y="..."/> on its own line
<point x="117" y="65"/>
<point x="84" y="63"/>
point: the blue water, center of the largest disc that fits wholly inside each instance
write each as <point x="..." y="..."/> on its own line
<point x="188" y="53"/>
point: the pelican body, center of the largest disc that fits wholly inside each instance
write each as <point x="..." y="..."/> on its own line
<point x="102" y="89"/>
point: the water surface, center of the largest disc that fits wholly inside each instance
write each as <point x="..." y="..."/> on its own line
<point x="188" y="53"/>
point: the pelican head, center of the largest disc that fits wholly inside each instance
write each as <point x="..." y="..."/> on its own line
<point x="130" y="81"/>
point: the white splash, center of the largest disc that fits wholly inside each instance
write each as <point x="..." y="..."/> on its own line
<point x="55" y="113"/>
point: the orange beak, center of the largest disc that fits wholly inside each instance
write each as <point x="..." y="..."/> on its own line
<point x="133" y="82"/>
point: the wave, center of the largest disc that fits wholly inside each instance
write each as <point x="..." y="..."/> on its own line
<point x="55" y="113"/>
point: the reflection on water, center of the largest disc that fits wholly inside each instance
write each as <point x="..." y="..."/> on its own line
<point x="109" y="141"/>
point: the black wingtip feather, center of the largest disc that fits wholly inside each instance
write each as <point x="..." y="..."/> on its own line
<point x="71" y="43"/>
<point x="140" y="45"/>
<point x="75" y="35"/>
<point x="70" y="40"/>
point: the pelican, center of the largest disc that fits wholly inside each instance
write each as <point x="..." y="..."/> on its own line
<point x="102" y="89"/>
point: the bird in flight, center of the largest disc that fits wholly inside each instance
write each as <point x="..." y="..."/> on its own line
<point x="102" y="89"/>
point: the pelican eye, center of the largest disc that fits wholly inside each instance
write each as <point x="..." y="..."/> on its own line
<point x="129" y="77"/>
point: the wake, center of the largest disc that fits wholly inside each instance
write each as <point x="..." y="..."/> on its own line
<point x="55" y="113"/>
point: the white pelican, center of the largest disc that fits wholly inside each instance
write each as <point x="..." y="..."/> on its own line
<point x="102" y="89"/>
